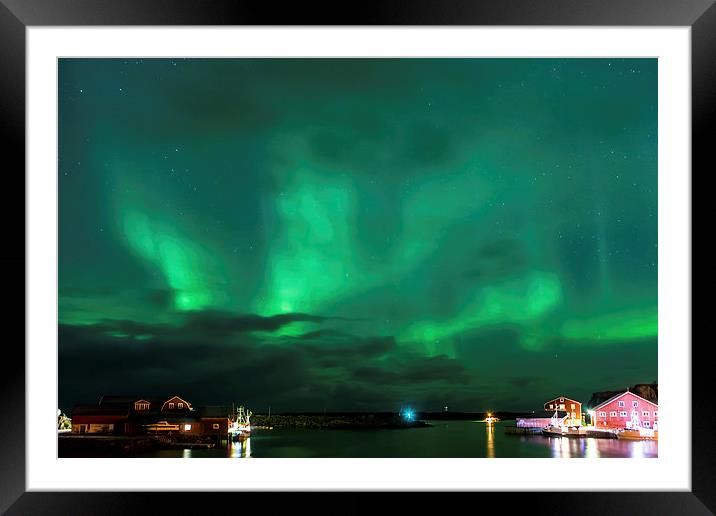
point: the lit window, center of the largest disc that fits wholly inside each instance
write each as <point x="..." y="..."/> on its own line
<point x="561" y="399"/>
<point x="561" y="406"/>
<point x="613" y="413"/>
<point x="181" y="405"/>
<point x="215" y="426"/>
<point x="602" y="414"/>
<point x="647" y="424"/>
<point x="635" y="403"/>
<point x="551" y="406"/>
<point x="623" y="413"/>
<point x="645" y="413"/>
<point x="171" y="405"/>
<point x="187" y="428"/>
<point x="621" y="403"/>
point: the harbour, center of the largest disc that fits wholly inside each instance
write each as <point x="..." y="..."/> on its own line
<point x="441" y="439"/>
<point x="133" y="426"/>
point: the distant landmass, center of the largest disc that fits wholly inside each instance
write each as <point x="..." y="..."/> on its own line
<point x="354" y="420"/>
<point x="648" y="391"/>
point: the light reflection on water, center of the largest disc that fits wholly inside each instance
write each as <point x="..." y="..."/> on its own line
<point x="490" y="429"/>
<point x="565" y="447"/>
<point x="591" y="449"/>
<point x="444" y="439"/>
<point x="240" y="449"/>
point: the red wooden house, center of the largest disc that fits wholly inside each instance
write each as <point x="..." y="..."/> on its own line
<point x="623" y="410"/>
<point x="572" y="407"/>
<point x="132" y="415"/>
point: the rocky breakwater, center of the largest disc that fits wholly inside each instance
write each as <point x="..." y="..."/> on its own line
<point x="335" y="421"/>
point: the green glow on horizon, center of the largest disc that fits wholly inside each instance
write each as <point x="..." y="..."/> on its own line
<point x="628" y="325"/>
<point x="521" y="300"/>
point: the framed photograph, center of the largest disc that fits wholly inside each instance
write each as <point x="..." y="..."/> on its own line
<point x="427" y="248"/>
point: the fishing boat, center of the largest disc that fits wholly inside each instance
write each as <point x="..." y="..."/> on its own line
<point x="557" y="428"/>
<point x="240" y="424"/>
<point x="490" y="419"/>
<point x="162" y="426"/>
<point x="637" y="432"/>
<point x="641" y="434"/>
<point x="563" y="431"/>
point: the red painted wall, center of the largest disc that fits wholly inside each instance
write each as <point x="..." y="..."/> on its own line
<point x="605" y="419"/>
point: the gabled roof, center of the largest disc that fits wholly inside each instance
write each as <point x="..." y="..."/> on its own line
<point x="553" y="400"/>
<point x="616" y="397"/>
<point x="176" y="399"/>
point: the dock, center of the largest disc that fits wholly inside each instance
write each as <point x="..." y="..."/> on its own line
<point x="598" y="433"/>
<point x="594" y="433"/>
<point x="574" y="433"/>
<point x="518" y="430"/>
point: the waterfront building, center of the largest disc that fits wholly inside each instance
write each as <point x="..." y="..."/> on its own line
<point x="99" y="419"/>
<point x="572" y="407"/>
<point x="134" y="415"/>
<point x="214" y="420"/>
<point x="626" y="410"/>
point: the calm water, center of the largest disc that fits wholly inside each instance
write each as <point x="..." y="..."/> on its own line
<point x="445" y="439"/>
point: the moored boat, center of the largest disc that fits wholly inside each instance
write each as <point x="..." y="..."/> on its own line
<point x="490" y="419"/>
<point x="637" y="432"/>
<point x="240" y="425"/>
<point x="162" y="426"/>
<point x="563" y="431"/>
<point x="641" y="434"/>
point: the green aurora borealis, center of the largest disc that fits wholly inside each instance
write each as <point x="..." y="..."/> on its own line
<point x="357" y="234"/>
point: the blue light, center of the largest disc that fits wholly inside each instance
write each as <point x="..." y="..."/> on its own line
<point x="408" y="414"/>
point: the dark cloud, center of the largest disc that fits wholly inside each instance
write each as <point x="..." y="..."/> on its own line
<point x="241" y="359"/>
<point x="522" y="382"/>
<point x="207" y="324"/>
<point x="345" y="346"/>
<point x="223" y="323"/>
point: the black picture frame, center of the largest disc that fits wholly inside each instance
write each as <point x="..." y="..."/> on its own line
<point x="17" y="15"/>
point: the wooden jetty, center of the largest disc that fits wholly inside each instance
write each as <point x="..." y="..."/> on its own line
<point x="602" y="433"/>
<point x="564" y="432"/>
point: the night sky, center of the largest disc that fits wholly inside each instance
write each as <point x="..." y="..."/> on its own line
<point x="357" y="234"/>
